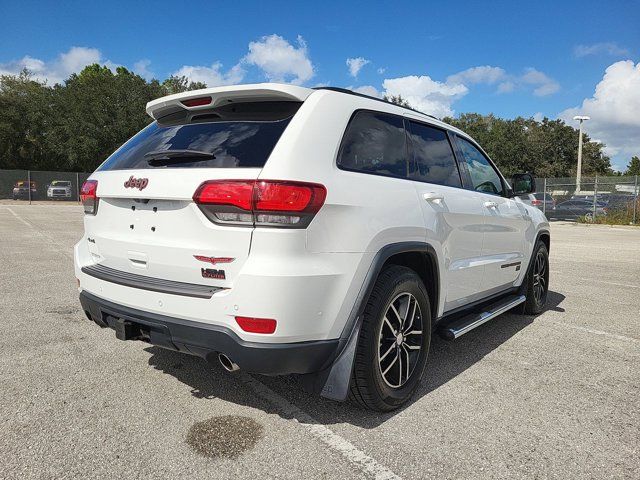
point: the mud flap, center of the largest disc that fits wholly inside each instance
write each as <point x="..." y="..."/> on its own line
<point x="336" y="386"/>
<point x="333" y="382"/>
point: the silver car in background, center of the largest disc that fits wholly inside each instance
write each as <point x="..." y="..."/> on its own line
<point x="543" y="201"/>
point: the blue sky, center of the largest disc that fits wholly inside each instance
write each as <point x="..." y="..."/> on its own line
<point x="509" y="58"/>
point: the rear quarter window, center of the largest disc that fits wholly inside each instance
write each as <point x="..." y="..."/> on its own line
<point x="375" y="142"/>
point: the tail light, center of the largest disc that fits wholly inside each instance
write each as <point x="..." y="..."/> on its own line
<point x="535" y="202"/>
<point x="257" y="325"/>
<point x="260" y="203"/>
<point x="89" y="197"/>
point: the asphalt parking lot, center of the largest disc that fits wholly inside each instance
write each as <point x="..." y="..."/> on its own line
<point x="556" y="396"/>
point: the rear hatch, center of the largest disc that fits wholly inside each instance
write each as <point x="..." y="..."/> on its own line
<point x="146" y="222"/>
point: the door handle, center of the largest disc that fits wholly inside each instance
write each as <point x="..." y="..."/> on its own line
<point x="491" y="204"/>
<point x="433" y="197"/>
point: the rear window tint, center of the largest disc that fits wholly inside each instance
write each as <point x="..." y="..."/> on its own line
<point x="234" y="138"/>
<point x="375" y="143"/>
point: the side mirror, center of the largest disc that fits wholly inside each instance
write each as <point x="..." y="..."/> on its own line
<point x="523" y="183"/>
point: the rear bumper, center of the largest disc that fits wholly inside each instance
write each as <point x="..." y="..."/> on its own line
<point x="206" y="340"/>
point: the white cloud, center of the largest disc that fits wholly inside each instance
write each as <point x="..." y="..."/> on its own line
<point x="426" y="94"/>
<point x="212" y="76"/>
<point x="67" y="63"/>
<point x="57" y="70"/>
<point x="279" y="60"/>
<point x="538" y="116"/>
<point x="506" y="87"/>
<point x="141" y="67"/>
<point x="367" y="90"/>
<point x="544" y="85"/>
<point x="541" y="83"/>
<point x="482" y="74"/>
<point x="356" y="64"/>
<point x="437" y="97"/>
<point x="613" y="109"/>
<point x="606" y="48"/>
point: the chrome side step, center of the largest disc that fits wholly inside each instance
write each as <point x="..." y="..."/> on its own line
<point x="459" y="327"/>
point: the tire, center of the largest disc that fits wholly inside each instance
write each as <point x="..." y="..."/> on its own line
<point x="537" y="282"/>
<point x="370" y="387"/>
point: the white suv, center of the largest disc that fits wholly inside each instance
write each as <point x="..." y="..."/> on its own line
<point x="282" y="229"/>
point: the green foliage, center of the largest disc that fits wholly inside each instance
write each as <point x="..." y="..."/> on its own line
<point x="547" y="148"/>
<point x="398" y="100"/>
<point x="634" y="166"/>
<point x="175" y="84"/>
<point x="75" y="126"/>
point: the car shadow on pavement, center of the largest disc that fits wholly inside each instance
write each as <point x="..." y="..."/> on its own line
<point x="446" y="361"/>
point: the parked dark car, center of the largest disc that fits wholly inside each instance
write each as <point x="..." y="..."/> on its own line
<point x="576" y="208"/>
<point x="600" y="198"/>
<point x="620" y="202"/>
<point x="21" y="190"/>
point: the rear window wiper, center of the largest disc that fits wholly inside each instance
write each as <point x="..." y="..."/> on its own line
<point x="167" y="157"/>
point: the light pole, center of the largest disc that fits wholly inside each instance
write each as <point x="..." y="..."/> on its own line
<point x="580" y="118"/>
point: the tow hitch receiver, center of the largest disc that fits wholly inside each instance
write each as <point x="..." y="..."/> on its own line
<point x="126" y="330"/>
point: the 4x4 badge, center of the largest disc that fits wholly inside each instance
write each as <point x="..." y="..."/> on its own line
<point x="139" y="183"/>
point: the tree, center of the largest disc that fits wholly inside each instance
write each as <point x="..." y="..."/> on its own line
<point x="634" y="166"/>
<point x="95" y="112"/>
<point x="546" y="148"/>
<point x="181" y="84"/>
<point x="24" y="118"/>
<point x="398" y="100"/>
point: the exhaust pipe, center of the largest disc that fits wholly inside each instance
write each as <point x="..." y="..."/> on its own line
<point x="227" y="364"/>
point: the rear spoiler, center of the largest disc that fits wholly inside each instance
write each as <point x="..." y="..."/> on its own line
<point x="221" y="95"/>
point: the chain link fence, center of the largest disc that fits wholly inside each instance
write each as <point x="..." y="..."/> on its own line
<point x="38" y="186"/>
<point x="600" y="199"/>
<point x="606" y="199"/>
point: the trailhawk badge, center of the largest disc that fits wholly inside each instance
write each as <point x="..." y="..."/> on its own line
<point x="139" y="183"/>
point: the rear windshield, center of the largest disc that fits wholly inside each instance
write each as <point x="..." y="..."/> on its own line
<point x="233" y="137"/>
<point x="542" y="196"/>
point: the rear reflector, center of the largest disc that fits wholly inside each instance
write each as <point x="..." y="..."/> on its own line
<point x="197" y="102"/>
<point x="89" y="197"/>
<point x="257" y="325"/>
<point x="274" y="203"/>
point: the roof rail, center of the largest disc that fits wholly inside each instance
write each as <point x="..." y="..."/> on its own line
<point x="351" y="92"/>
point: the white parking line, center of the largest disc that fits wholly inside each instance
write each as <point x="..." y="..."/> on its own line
<point x="19" y="217"/>
<point x="355" y="457"/>
<point x="598" y="332"/>
<point x="626" y="285"/>
<point x="62" y="249"/>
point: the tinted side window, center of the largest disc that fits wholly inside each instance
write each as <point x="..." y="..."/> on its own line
<point x="376" y="143"/>
<point x="433" y="155"/>
<point x="483" y="176"/>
